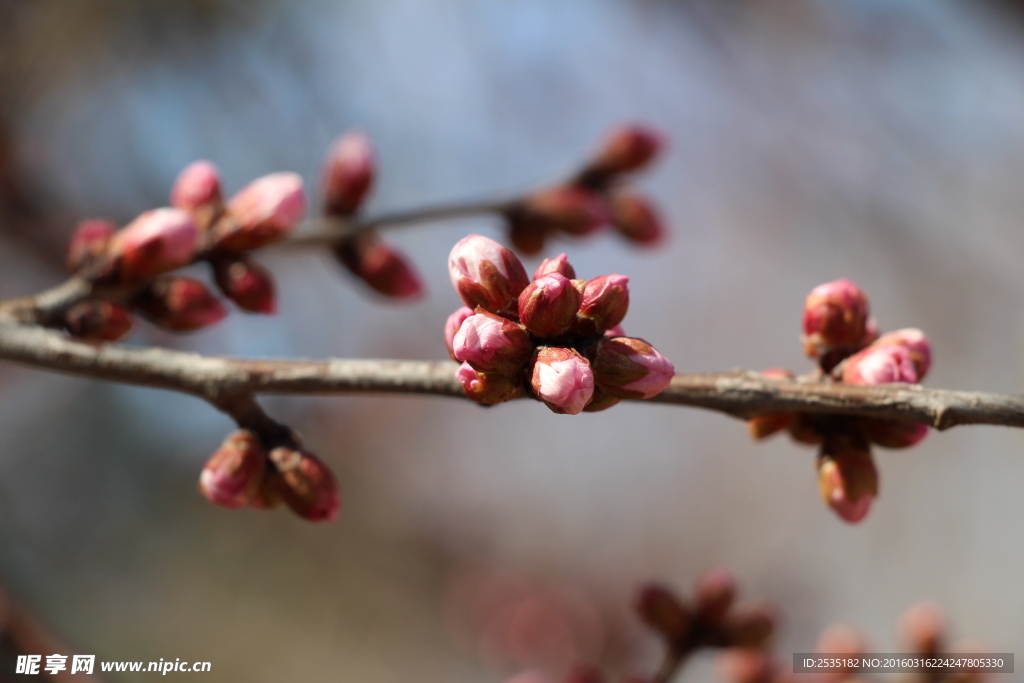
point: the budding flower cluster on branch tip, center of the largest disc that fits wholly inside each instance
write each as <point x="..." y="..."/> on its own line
<point x="197" y="186"/>
<point x="840" y="334"/>
<point x="156" y="242"/>
<point x="545" y="336"/>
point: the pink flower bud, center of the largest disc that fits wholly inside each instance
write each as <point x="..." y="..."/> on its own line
<point x="487" y="388"/>
<point x="235" y="473"/>
<point x="631" y="368"/>
<point x="380" y="266"/>
<point x="486" y="274"/>
<point x="892" y="434"/>
<point x="765" y="425"/>
<point x="156" y="242"/>
<point x="348" y="173"/>
<point x="715" y="592"/>
<point x="923" y="627"/>
<point x="98" y="321"/>
<point x="569" y="208"/>
<point x="880" y="365"/>
<point x="562" y="378"/>
<point x="197" y="186"/>
<point x="635" y="218"/>
<point x="180" y="304"/>
<point x="605" y="302"/>
<point x="491" y="343"/>
<point x="660" y="609"/>
<point x="307" y="487"/>
<point x="847" y="478"/>
<point x="915" y="342"/>
<point x="548" y="305"/>
<point x="560" y="264"/>
<point x="88" y="245"/>
<point x="835" y="319"/>
<point x="626" y="148"/>
<point x="452" y="325"/>
<point x="264" y="211"/>
<point x="247" y="283"/>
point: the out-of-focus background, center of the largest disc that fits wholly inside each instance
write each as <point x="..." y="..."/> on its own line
<point x="879" y="141"/>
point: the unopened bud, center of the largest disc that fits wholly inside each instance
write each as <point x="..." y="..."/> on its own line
<point x="308" y="488"/>
<point x="835" y="319"/>
<point x="548" y="305"/>
<point x="264" y="211"/>
<point x="880" y="365"/>
<point x="631" y="368"/>
<point x="601" y="400"/>
<point x="234" y="474"/>
<point x="379" y="265"/>
<point x="486" y="274"/>
<point x="714" y="594"/>
<point x="605" y="302"/>
<point x="491" y="343"/>
<point x="751" y="626"/>
<point x="635" y="218"/>
<point x="247" y="283"/>
<point x="526" y="235"/>
<point x="915" y="342"/>
<point x="348" y="173"/>
<point x="847" y="478"/>
<point x="923" y="627"/>
<point x="626" y="148"/>
<point x="452" y="325"/>
<point x="98" y="321"/>
<point x="803" y="428"/>
<point x="559" y="264"/>
<point x="763" y="426"/>
<point x="156" y="242"/>
<point x="563" y="379"/>
<point x="197" y="187"/>
<point x="664" y="612"/>
<point x="487" y="388"/>
<point x="88" y="245"/>
<point x="568" y="208"/>
<point x="893" y="434"/>
<point x="180" y="304"/>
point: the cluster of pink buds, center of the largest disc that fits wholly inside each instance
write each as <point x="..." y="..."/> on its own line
<point x="244" y="473"/>
<point x="138" y="259"/>
<point x="556" y="336"/>
<point x="595" y="198"/>
<point x="347" y="178"/>
<point x="839" y="333"/>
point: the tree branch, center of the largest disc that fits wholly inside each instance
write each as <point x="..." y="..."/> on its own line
<point x="229" y="383"/>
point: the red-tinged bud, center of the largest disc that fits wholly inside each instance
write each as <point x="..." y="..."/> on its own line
<point x="99" y="321"/>
<point x="923" y="627"/>
<point x="235" y="473"/>
<point x="263" y="212"/>
<point x="380" y="266"/>
<point x="625" y="149"/>
<point x="563" y="379"/>
<point x="835" y="320"/>
<point x="452" y="325"/>
<point x="88" y="246"/>
<point x="571" y="209"/>
<point x="156" y="242"/>
<point x="636" y="219"/>
<point x="880" y="365"/>
<point x="491" y="343"/>
<point x="526" y="235"/>
<point x="660" y="609"/>
<point x="892" y="434"/>
<point x="560" y="264"/>
<point x="197" y="187"/>
<point x="548" y="305"/>
<point x="751" y="626"/>
<point x="847" y="478"/>
<point x="308" y="487"/>
<point x="247" y="283"/>
<point x="601" y="400"/>
<point x="915" y="342"/>
<point x="487" y="388"/>
<point x="714" y="594"/>
<point x="180" y="304"/>
<point x="605" y="302"/>
<point x="348" y="173"/>
<point x="486" y="274"/>
<point x="766" y="425"/>
<point x="631" y="368"/>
